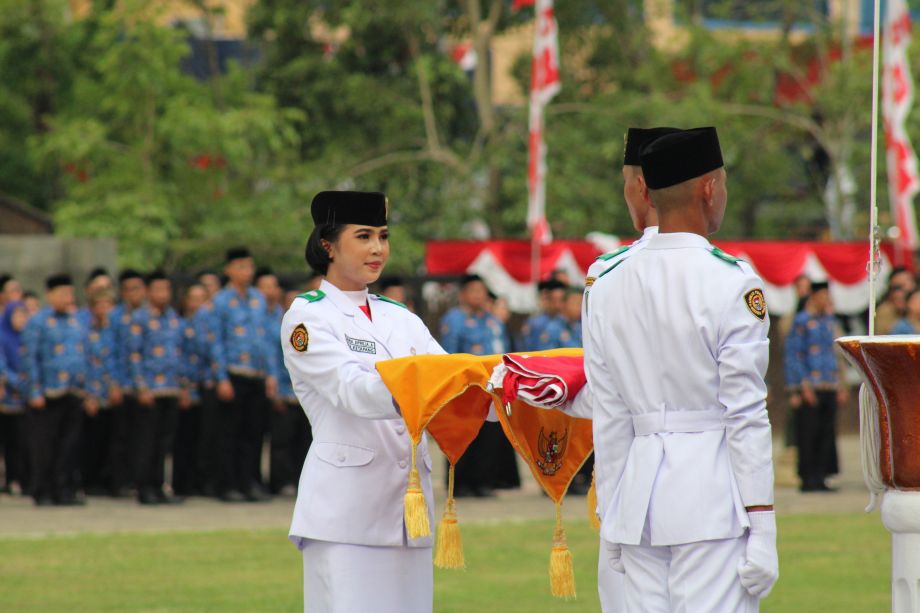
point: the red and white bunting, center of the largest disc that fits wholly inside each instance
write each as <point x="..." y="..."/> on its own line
<point x="544" y="84"/>
<point x="897" y="97"/>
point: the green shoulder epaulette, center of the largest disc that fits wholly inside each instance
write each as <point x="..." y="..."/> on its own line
<point x="391" y="301"/>
<point x="613" y="254"/>
<point x="611" y="268"/>
<point x="313" y="296"/>
<point x="724" y="256"/>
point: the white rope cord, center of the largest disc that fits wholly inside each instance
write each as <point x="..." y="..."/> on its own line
<point x="869" y="439"/>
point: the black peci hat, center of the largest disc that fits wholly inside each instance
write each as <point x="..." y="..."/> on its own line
<point x="675" y="158"/>
<point x="236" y="253"/>
<point x="638" y="138"/>
<point x="58" y="280"/>
<point x="340" y="208"/>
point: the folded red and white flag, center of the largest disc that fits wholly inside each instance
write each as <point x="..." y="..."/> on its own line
<point x="544" y="382"/>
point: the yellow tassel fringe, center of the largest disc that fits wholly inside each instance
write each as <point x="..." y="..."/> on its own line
<point x="593" y="520"/>
<point x="561" y="570"/>
<point x="416" y="511"/>
<point x="448" y="551"/>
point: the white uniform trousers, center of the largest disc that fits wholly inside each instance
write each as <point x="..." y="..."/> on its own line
<point x="340" y="578"/>
<point x="699" y="577"/>
<point x="610" y="583"/>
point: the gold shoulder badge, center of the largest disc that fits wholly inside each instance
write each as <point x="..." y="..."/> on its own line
<point x="589" y="281"/>
<point x="756" y="303"/>
<point x="300" y="338"/>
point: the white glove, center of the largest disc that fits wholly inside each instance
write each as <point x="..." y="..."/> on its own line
<point x="496" y="381"/>
<point x="615" y="557"/>
<point x="760" y="569"/>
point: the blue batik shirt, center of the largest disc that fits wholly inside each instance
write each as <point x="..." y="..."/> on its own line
<point x="531" y="331"/>
<point x="575" y="332"/>
<point x="554" y="335"/>
<point x="809" y="352"/>
<point x="285" y="385"/>
<point x="100" y="352"/>
<point x="120" y="320"/>
<point x="243" y="344"/>
<point x="54" y="359"/>
<point x="155" y="344"/>
<point x="463" y="332"/>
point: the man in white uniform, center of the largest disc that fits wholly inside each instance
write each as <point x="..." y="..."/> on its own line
<point x="645" y="220"/>
<point x="675" y="354"/>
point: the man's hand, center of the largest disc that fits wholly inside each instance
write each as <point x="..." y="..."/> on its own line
<point x="116" y="397"/>
<point x="271" y="387"/>
<point x="145" y="398"/>
<point x="760" y="570"/>
<point x="225" y="391"/>
<point x="843" y="394"/>
<point x="185" y="400"/>
<point x="795" y="401"/>
<point x="90" y="406"/>
<point x="2" y="391"/>
<point x="809" y="396"/>
<point x="37" y="403"/>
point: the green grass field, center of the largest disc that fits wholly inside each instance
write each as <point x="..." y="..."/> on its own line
<point x="836" y="563"/>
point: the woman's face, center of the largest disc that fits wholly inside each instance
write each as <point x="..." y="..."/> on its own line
<point x="358" y="256"/>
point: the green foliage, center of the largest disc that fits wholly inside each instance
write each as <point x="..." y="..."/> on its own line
<point x="103" y="128"/>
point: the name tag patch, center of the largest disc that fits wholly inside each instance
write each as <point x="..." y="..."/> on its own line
<point x="361" y="346"/>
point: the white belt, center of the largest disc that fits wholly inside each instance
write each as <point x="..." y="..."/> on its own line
<point x="678" y="421"/>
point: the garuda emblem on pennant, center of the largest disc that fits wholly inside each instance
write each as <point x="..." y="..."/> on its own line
<point x="551" y="449"/>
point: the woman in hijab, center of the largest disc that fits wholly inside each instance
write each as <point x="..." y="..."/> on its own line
<point x="12" y="408"/>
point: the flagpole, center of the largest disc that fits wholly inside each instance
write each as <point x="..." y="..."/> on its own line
<point x="874" y="257"/>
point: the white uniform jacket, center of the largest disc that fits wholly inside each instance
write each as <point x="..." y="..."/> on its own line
<point x="676" y="351"/>
<point x="582" y="405"/>
<point x="355" y="475"/>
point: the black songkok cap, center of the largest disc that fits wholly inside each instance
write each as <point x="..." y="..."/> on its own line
<point x="638" y="138"/>
<point x="817" y="286"/>
<point x="264" y="271"/>
<point x="388" y="282"/>
<point x="340" y="208"/>
<point x="679" y="157"/>
<point x="57" y="281"/>
<point x="129" y="273"/>
<point x="157" y="275"/>
<point x="467" y="279"/>
<point x="236" y="253"/>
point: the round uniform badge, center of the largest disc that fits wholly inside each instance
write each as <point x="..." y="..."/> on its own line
<point x="756" y="303"/>
<point x="300" y="338"/>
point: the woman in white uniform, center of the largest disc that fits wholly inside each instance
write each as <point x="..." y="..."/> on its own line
<point x="348" y="519"/>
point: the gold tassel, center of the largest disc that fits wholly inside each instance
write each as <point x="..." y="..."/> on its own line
<point x="416" y="511"/>
<point x="593" y="520"/>
<point x="561" y="570"/>
<point x="449" y="547"/>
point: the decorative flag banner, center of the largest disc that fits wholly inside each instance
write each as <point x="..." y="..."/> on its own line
<point x="897" y="97"/>
<point x="544" y="84"/>
<point x="447" y="395"/>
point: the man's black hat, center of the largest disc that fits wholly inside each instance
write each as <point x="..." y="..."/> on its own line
<point x="638" y="138"/>
<point x="58" y="280"/>
<point x="675" y="158"/>
<point x="236" y="253"/>
<point x="817" y="286"/>
<point x="340" y="208"/>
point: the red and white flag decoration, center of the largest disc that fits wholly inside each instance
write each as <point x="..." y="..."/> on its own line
<point x="544" y="84"/>
<point x="897" y="97"/>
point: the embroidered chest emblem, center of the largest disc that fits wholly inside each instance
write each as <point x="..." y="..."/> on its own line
<point x="361" y="346"/>
<point x="300" y="338"/>
<point x="756" y="303"/>
<point x="551" y="449"/>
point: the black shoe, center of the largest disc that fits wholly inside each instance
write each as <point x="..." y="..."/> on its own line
<point x="147" y="496"/>
<point x="164" y="498"/>
<point x="232" y="496"/>
<point x="44" y="501"/>
<point x="824" y="487"/>
<point x="256" y="494"/>
<point x="120" y="492"/>
<point x="70" y="500"/>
